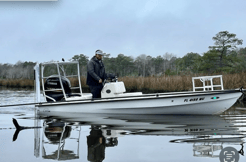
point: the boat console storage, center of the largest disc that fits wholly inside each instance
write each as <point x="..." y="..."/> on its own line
<point x="116" y="89"/>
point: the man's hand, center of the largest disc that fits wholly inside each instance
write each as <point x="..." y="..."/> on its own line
<point x="100" y="140"/>
<point x="100" y="81"/>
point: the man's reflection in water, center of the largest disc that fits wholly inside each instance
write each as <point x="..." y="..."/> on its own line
<point x="96" y="145"/>
<point x="98" y="140"/>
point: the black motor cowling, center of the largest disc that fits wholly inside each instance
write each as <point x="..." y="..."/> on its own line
<point x="52" y="83"/>
<point x="55" y="130"/>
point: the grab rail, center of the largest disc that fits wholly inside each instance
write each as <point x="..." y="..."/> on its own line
<point x="208" y="79"/>
<point x="60" y="70"/>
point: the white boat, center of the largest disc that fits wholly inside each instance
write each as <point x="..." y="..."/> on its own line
<point x="57" y="92"/>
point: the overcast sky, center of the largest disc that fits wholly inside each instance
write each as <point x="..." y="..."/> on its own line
<point x="44" y="31"/>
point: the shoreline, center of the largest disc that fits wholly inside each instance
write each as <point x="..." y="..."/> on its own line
<point x="153" y="84"/>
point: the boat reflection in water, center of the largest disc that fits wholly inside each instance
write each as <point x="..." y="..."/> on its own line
<point x="206" y="146"/>
<point x="208" y="134"/>
<point x="56" y="133"/>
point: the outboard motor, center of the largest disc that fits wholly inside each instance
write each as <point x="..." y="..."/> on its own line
<point x="53" y="83"/>
<point x="54" y="131"/>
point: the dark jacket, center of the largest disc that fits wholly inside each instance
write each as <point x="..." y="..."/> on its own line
<point x="95" y="72"/>
<point x="96" y="150"/>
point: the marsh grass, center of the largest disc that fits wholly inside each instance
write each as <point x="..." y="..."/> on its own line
<point x="17" y="83"/>
<point x="147" y="84"/>
<point x="157" y="84"/>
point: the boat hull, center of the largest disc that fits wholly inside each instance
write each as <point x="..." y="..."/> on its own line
<point x="199" y="103"/>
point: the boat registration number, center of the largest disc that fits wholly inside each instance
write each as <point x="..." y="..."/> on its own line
<point x="194" y="99"/>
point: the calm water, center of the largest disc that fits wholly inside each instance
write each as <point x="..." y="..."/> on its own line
<point x="95" y="137"/>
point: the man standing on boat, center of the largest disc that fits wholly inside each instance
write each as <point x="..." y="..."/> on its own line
<point x="96" y="74"/>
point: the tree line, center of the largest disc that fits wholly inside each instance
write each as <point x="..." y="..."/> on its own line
<point x="222" y="57"/>
<point x="20" y="70"/>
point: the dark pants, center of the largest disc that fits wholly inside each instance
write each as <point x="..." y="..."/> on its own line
<point x="96" y="91"/>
